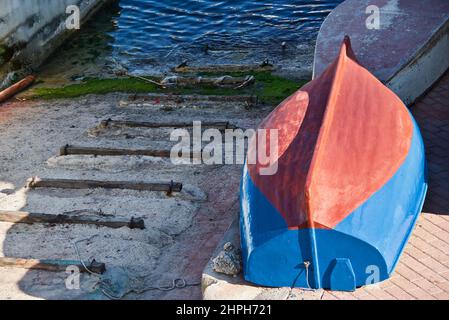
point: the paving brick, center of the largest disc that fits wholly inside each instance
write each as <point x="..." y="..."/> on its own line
<point x="298" y="294"/>
<point x="328" y="296"/>
<point x="404" y="283"/>
<point x="443" y="236"/>
<point x="413" y="263"/>
<point x="382" y="285"/>
<point x="444" y="261"/>
<point x="408" y="273"/>
<point x="421" y="294"/>
<point x="445" y="275"/>
<point x="433" y="228"/>
<point x="433" y="276"/>
<point x="424" y="246"/>
<point x="399" y="293"/>
<point x="363" y="294"/>
<point x="428" y="286"/>
<point x="439" y="232"/>
<point x="341" y="295"/>
<point x="438" y="243"/>
<point x="415" y="252"/>
<point x="444" y="286"/>
<point x="419" y="230"/>
<point x="440" y="221"/>
<point x="435" y="266"/>
<point x="442" y="296"/>
<point x="432" y="239"/>
<point x="380" y="294"/>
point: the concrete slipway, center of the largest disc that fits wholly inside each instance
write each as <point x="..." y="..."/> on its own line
<point x="181" y="230"/>
<point x="409" y="53"/>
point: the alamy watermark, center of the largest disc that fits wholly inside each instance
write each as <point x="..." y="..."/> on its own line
<point x="373" y="19"/>
<point x="373" y="273"/>
<point x="73" y="21"/>
<point x="72" y="282"/>
<point x="213" y="147"/>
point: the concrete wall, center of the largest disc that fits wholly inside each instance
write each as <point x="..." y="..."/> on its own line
<point x="424" y="70"/>
<point x="408" y="53"/>
<point x="30" y="30"/>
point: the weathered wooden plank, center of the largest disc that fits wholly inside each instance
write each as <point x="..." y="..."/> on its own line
<point x="178" y="98"/>
<point x="221" y="125"/>
<point x="16" y="88"/>
<point x="50" y="264"/>
<point x="168" y="187"/>
<point x="30" y="218"/>
<point x="80" y="150"/>
<point x="264" y="67"/>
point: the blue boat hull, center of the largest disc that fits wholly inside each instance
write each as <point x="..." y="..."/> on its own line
<point x="363" y="248"/>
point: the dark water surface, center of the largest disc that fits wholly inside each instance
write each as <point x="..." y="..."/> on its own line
<point x="148" y="36"/>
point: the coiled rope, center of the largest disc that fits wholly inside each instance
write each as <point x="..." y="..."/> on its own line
<point x="178" y="283"/>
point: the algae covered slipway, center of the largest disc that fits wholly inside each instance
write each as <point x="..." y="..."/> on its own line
<point x="85" y="82"/>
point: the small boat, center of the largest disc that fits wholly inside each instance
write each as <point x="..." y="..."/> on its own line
<point x="407" y="50"/>
<point x="348" y="188"/>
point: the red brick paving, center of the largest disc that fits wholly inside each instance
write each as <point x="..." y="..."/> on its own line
<point x="423" y="270"/>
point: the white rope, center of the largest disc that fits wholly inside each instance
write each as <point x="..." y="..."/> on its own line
<point x="307" y="264"/>
<point x="309" y="288"/>
<point x="146" y="79"/>
<point x="178" y="283"/>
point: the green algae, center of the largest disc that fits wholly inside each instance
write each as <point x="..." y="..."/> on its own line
<point x="268" y="87"/>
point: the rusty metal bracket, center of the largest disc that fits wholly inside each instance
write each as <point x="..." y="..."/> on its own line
<point x="63" y="150"/>
<point x="97" y="267"/>
<point x="170" y="188"/>
<point x="105" y="123"/>
<point x="136" y="223"/>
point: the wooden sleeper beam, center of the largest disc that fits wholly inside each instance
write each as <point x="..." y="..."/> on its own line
<point x="80" y="150"/>
<point x="221" y="125"/>
<point x="96" y="151"/>
<point x="30" y="218"/>
<point x="248" y="99"/>
<point x="168" y="187"/>
<point x="51" y="265"/>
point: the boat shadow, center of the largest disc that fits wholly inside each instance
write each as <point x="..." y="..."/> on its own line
<point x="432" y="114"/>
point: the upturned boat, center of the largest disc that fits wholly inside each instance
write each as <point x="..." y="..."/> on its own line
<point x="348" y="188"/>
